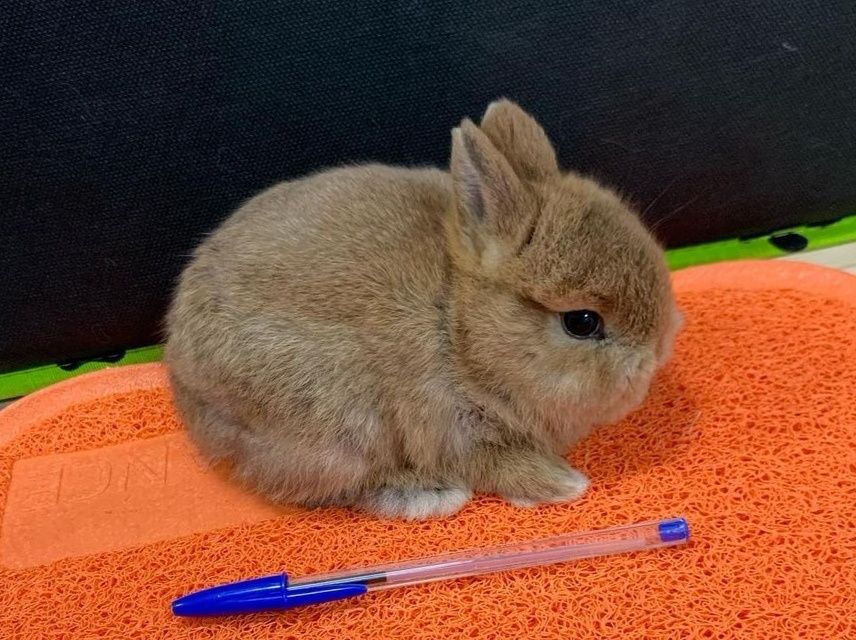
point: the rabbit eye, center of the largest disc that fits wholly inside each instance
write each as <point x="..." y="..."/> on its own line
<point x="583" y="324"/>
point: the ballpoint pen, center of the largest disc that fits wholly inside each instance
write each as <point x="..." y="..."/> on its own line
<point x="277" y="592"/>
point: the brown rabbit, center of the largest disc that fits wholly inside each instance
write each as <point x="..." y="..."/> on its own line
<point x="395" y="339"/>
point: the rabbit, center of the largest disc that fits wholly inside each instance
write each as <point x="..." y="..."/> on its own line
<point x="395" y="339"/>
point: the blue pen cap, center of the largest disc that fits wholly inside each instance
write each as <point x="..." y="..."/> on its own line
<point x="260" y="594"/>
<point x="674" y="530"/>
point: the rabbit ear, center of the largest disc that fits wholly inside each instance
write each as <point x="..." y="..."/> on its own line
<point x="517" y="135"/>
<point x="491" y="198"/>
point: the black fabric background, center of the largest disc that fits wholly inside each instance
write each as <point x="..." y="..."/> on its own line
<point x="129" y="129"/>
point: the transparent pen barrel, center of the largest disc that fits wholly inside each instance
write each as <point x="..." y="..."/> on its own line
<point x="575" y="546"/>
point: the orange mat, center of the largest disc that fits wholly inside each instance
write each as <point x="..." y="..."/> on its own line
<point x="750" y="433"/>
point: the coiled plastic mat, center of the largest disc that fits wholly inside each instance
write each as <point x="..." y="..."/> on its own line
<point x="750" y="433"/>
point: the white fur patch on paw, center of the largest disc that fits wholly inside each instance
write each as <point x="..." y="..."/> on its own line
<point x="571" y="486"/>
<point x="418" y="504"/>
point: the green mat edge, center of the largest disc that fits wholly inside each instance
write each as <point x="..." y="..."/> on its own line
<point x="15" y="384"/>
<point x="819" y="236"/>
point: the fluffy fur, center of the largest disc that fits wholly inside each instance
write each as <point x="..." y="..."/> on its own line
<point x="389" y="338"/>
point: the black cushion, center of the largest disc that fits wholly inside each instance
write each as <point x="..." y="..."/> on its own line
<point x="131" y="128"/>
